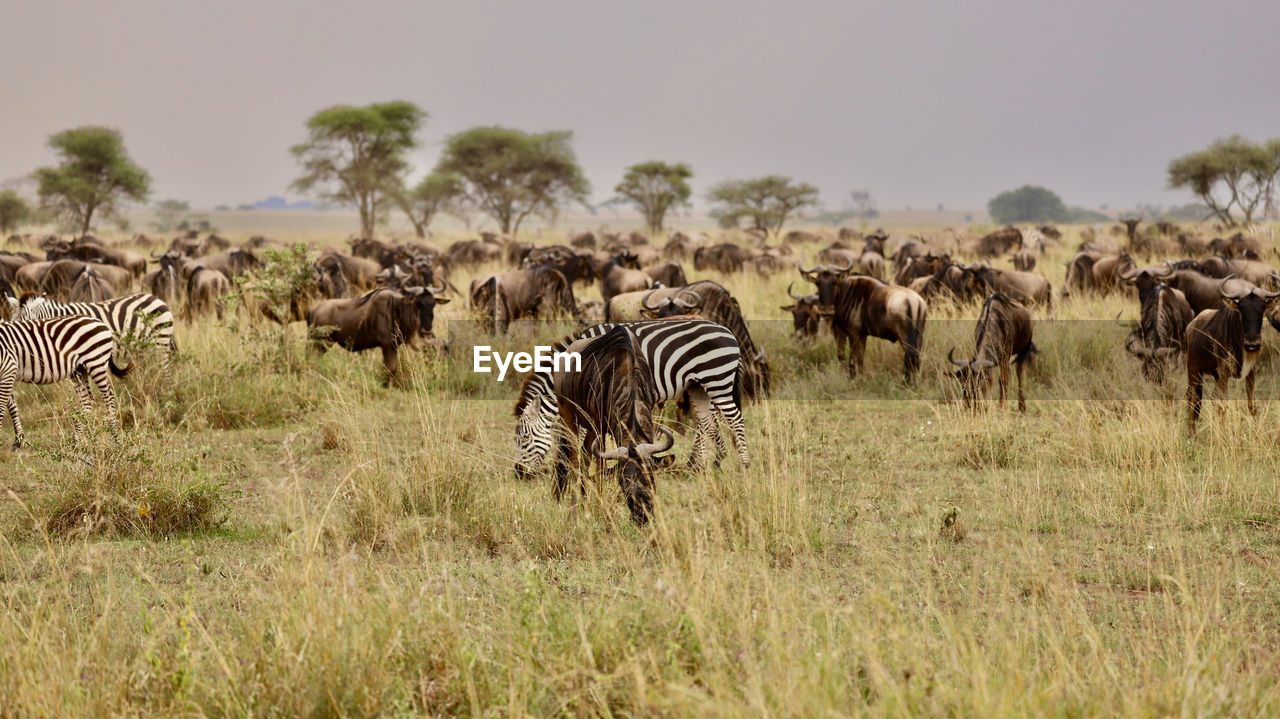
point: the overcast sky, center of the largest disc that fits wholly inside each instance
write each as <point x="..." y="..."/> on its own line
<point x="920" y="102"/>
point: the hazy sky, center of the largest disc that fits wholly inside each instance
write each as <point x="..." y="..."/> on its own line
<point x="921" y="102"/>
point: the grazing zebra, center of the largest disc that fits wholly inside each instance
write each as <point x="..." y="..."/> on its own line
<point x="48" y="351"/>
<point x="696" y="355"/>
<point x="141" y="314"/>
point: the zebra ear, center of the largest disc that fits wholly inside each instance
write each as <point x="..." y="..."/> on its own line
<point x="13" y="302"/>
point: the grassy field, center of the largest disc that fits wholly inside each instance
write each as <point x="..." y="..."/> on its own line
<point x="368" y="551"/>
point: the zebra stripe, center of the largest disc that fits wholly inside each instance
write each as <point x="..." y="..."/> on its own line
<point x="48" y="351"/>
<point x="142" y="314"/>
<point x="693" y="355"/>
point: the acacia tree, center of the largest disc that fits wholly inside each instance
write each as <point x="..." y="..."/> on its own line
<point x="510" y="174"/>
<point x="13" y="211"/>
<point x="437" y="192"/>
<point x="357" y="155"/>
<point x="1242" y="172"/>
<point x="94" y="175"/>
<point x="654" y="188"/>
<point x="765" y="202"/>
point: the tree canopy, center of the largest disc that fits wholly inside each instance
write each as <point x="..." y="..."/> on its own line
<point x="93" y="176"/>
<point x="764" y="202"/>
<point x="655" y="188"/>
<point x="437" y="192"/>
<point x="1027" y="204"/>
<point x="357" y="155"/>
<point x="509" y="174"/>
<point x="13" y="211"/>
<point x="1232" y="175"/>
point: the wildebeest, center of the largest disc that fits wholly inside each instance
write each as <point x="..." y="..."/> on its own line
<point x="93" y="251"/>
<point x="359" y="272"/>
<point x="916" y="266"/>
<point x="1025" y="287"/>
<point x="1226" y="343"/>
<point x="1162" y="323"/>
<point x="1254" y="271"/>
<point x="205" y="288"/>
<point x="233" y="264"/>
<point x="383" y="318"/>
<point x="90" y="287"/>
<point x="57" y="278"/>
<point x="866" y="307"/>
<point x="806" y="314"/>
<point x="574" y="266"/>
<point x="1202" y="292"/>
<point x="825" y="278"/>
<point x="669" y="273"/>
<point x="725" y="257"/>
<point x="1024" y="260"/>
<point x="999" y="242"/>
<point x="1003" y="331"/>
<point x="164" y="282"/>
<point x="1093" y="271"/>
<point x="612" y="394"/>
<point x="540" y="292"/>
<point x="622" y="274"/>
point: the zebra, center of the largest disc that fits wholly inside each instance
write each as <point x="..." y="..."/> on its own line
<point x="48" y="351"/>
<point x="684" y="354"/>
<point x="142" y="314"/>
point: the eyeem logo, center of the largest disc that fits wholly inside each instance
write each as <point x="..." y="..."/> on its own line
<point x="542" y="360"/>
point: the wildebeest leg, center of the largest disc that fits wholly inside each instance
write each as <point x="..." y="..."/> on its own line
<point x="1195" y="392"/>
<point x="1022" y="398"/>
<point x="390" y="361"/>
<point x="857" y="345"/>
<point x="1220" y="395"/>
<point x="564" y="450"/>
<point x="841" y="337"/>
<point x="1248" y="390"/>
<point x="1004" y="380"/>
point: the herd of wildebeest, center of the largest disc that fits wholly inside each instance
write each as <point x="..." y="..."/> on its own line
<point x="1203" y="307"/>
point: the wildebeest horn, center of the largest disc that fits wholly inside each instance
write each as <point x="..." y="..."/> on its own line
<point x="843" y="270"/>
<point x="1167" y="271"/>
<point x="1126" y="276"/>
<point x="435" y="291"/>
<point x="981" y="364"/>
<point x="792" y="295"/>
<point x="953" y="360"/>
<point x="807" y="273"/>
<point x="1222" y="290"/>
<point x="650" y="450"/>
<point x="687" y="305"/>
<point x="644" y="302"/>
<point x="413" y="291"/>
<point x="615" y="453"/>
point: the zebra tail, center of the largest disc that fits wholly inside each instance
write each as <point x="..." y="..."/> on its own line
<point x="116" y="369"/>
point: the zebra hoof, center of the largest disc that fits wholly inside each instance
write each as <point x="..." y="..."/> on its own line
<point x="17" y="445"/>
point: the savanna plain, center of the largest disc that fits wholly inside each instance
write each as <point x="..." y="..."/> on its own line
<point x="274" y="533"/>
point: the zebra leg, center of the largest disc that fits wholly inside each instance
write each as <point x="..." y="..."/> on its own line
<point x="11" y="404"/>
<point x="103" y="383"/>
<point x="81" y="381"/>
<point x="733" y="415"/>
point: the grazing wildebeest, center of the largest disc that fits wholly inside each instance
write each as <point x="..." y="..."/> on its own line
<point x="612" y="395"/>
<point x="999" y="242"/>
<point x="725" y="257"/>
<point x="383" y="318"/>
<point x="916" y="266"/>
<point x="205" y="288"/>
<point x="617" y="277"/>
<point x="1003" y="331"/>
<point x="90" y="287"/>
<point x="1203" y="292"/>
<point x="1024" y="260"/>
<point x="574" y="266"/>
<point x="359" y="272"/>
<point x="1093" y="271"/>
<point x="540" y="292"/>
<point x="669" y="273"/>
<point x="1254" y="271"/>
<point x="1226" y="343"/>
<point x="1025" y="287"/>
<point x="866" y="307"/>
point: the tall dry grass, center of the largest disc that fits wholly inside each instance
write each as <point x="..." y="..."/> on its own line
<point x="893" y="556"/>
